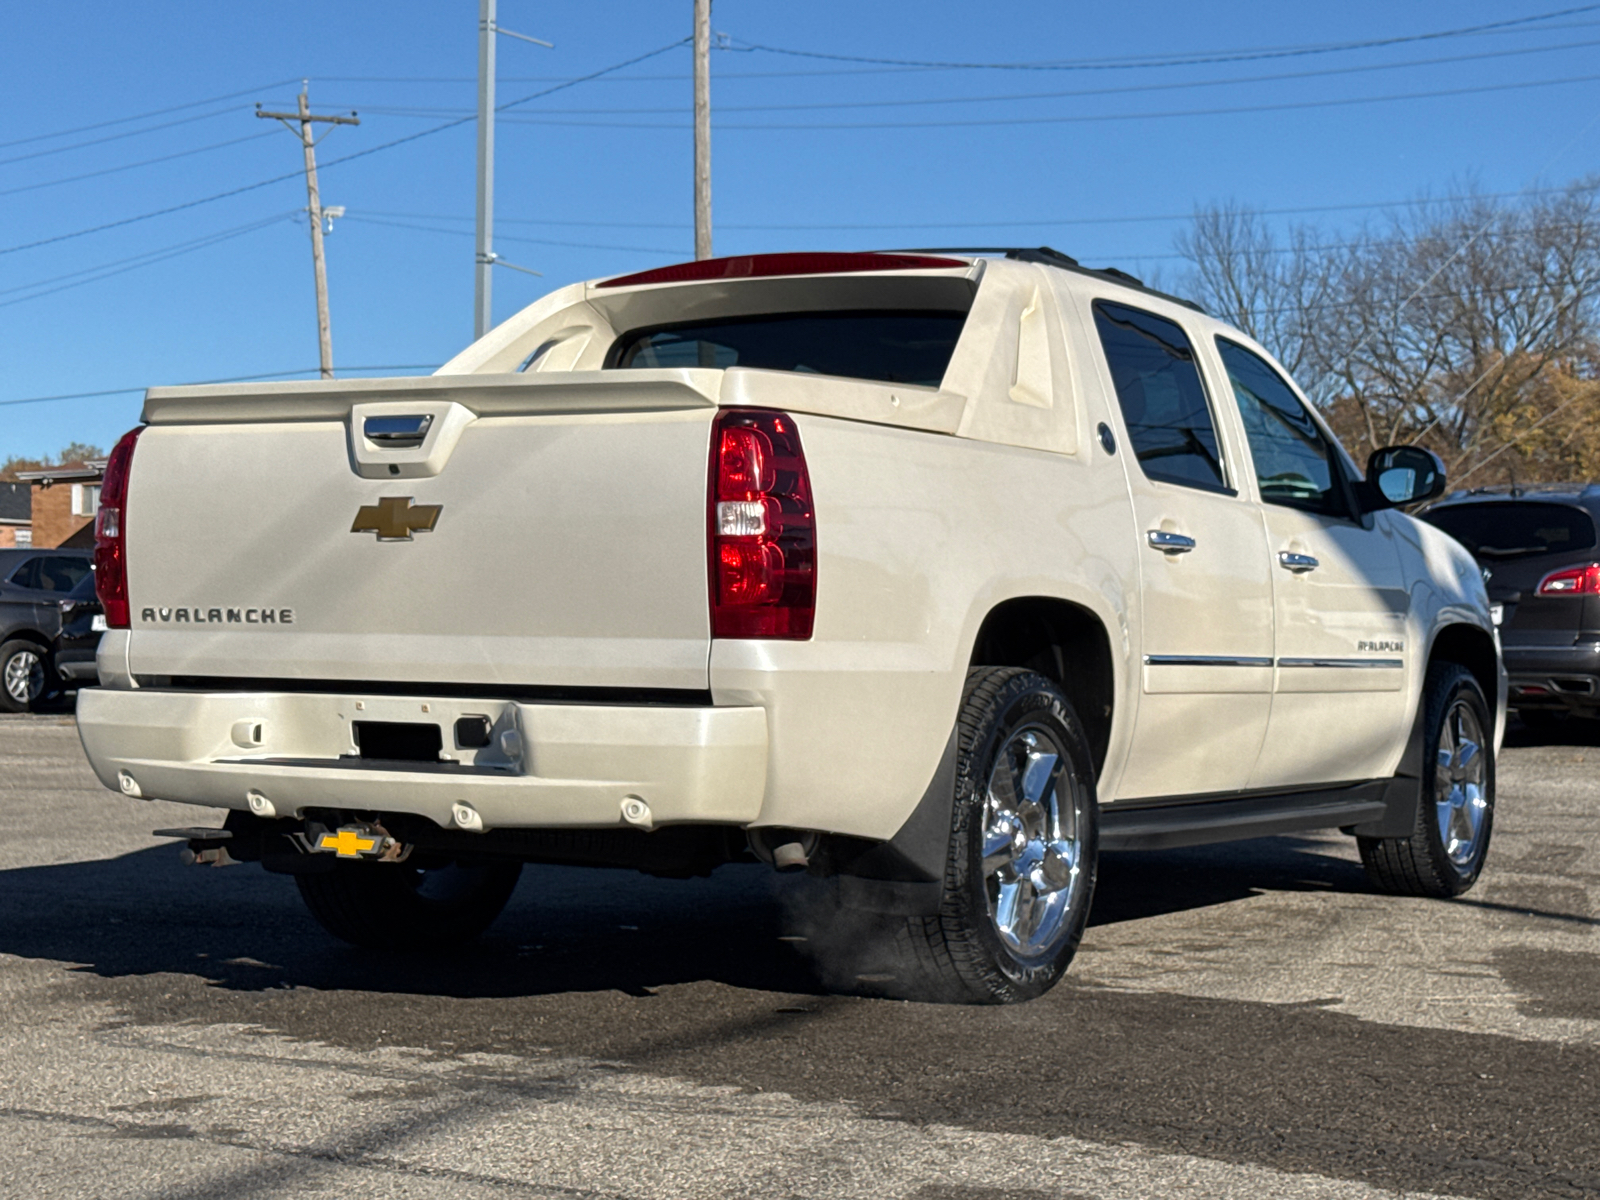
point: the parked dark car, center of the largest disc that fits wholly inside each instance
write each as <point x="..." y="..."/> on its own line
<point x="50" y="624"/>
<point x="1537" y="546"/>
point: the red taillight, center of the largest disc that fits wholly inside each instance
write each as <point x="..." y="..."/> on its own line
<point x="110" y="534"/>
<point x="763" y="528"/>
<point x="755" y="266"/>
<point x="1571" y="581"/>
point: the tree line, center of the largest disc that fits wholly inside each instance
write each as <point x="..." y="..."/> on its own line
<point x="1470" y="325"/>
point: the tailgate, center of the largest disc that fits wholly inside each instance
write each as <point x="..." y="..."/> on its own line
<point x="540" y="534"/>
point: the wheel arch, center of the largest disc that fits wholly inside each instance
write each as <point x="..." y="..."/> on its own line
<point x="1065" y="642"/>
<point x="25" y="634"/>
<point x="1474" y="649"/>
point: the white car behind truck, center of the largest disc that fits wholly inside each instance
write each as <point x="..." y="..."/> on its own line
<point x="932" y="574"/>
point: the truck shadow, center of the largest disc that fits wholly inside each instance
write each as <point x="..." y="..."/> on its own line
<point x="566" y="929"/>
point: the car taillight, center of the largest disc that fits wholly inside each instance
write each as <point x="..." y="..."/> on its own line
<point x="1571" y="581"/>
<point x="110" y="534"/>
<point x="763" y="529"/>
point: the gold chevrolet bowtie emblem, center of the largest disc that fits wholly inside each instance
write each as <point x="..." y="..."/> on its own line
<point x="348" y="843"/>
<point x="395" y="518"/>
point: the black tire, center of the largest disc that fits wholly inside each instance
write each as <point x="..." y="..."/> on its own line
<point x="392" y="906"/>
<point x="1422" y="864"/>
<point x="11" y="665"/>
<point x="959" y="956"/>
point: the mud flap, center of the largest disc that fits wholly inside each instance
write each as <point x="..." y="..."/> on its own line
<point x="903" y="876"/>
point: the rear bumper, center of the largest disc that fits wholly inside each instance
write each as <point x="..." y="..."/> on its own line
<point x="563" y="765"/>
<point x="74" y="665"/>
<point x="1554" y="676"/>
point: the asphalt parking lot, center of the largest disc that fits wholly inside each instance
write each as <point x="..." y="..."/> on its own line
<point x="1242" y="1021"/>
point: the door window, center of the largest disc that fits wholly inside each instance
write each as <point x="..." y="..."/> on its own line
<point x="60" y="574"/>
<point x="1294" y="462"/>
<point x="1162" y="398"/>
<point x="27" y="575"/>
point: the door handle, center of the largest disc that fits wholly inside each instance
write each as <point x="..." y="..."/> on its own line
<point x="1298" y="563"/>
<point x="1170" y="543"/>
<point x="398" y="433"/>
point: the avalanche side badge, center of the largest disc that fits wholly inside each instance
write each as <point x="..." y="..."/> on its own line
<point x="395" y="518"/>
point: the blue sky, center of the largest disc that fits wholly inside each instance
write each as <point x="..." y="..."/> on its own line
<point x="808" y="152"/>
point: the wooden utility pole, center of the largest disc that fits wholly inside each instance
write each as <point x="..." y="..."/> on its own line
<point x="702" y="128"/>
<point x="314" y="207"/>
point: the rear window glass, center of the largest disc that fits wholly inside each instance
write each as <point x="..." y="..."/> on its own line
<point x="1515" y="528"/>
<point x="886" y="346"/>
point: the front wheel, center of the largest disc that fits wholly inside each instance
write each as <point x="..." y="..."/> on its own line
<point x="393" y="906"/>
<point x="24" y="675"/>
<point x="1445" y="851"/>
<point x="1020" y="867"/>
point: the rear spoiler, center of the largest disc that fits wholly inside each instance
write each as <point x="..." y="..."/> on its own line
<point x="331" y="400"/>
<point x="661" y="390"/>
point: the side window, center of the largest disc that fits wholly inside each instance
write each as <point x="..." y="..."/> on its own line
<point x="1163" y="401"/>
<point x="1294" y="462"/>
<point x="27" y="575"/>
<point x="61" y="574"/>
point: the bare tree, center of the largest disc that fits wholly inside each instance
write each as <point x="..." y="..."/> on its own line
<point x="1470" y="325"/>
<point x="1271" y="292"/>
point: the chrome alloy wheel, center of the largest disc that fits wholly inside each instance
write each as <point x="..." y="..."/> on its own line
<point x="1460" y="797"/>
<point x="24" y="676"/>
<point x="1032" y="848"/>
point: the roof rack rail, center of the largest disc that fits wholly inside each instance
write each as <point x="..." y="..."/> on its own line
<point x="1052" y="257"/>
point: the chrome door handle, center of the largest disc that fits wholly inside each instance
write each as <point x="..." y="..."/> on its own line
<point x="398" y="433"/>
<point x="1170" y="543"/>
<point x="1298" y="563"/>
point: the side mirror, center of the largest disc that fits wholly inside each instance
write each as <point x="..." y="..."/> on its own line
<point x="1405" y="474"/>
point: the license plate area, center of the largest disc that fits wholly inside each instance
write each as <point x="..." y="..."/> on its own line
<point x="398" y="741"/>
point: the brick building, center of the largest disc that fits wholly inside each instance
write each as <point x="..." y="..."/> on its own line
<point x="65" y="500"/>
<point x="16" y="515"/>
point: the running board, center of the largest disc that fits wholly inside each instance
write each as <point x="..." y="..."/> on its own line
<point x="1161" y="825"/>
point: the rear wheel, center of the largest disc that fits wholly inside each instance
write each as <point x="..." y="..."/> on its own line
<point x="1020" y="868"/>
<point x="24" y="674"/>
<point x="1445" y="852"/>
<point x="393" y="906"/>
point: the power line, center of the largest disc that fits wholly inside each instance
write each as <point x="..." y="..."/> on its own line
<point x="370" y="220"/>
<point x="58" y="283"/>
<point x="1009" y="224"/>
<point x="250" y="187"/>
<point x="33" y="187"/>
<point x="221" y="112"/>
<point x="414" y="111"/>
<point x="832" y="72"/>
<point x="1084" y="119"/>
<point x="1196" y="59"/>
<point x="159" y="112"/>
<point x="208" y="382"/>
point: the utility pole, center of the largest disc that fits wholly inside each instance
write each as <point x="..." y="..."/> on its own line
<point x="483" y="270"/>
<point x="484" y="256"/>
<point x="314" y="207"/>
<point x="702" y="128"/>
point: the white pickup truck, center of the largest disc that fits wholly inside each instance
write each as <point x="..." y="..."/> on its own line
<point x="932" y="574"/>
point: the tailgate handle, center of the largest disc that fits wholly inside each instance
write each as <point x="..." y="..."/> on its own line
<point x="397" y="433"/>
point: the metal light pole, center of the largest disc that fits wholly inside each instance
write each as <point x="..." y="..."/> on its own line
<point x="482" y="297"/>
<point x="485" y="257"/>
